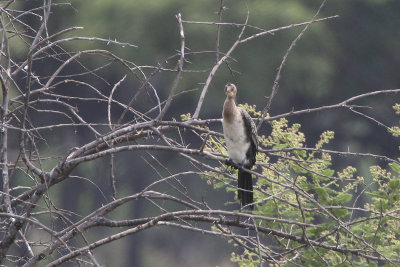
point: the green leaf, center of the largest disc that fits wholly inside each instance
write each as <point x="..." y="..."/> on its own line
<point x="328" y="172"/>
<point x="230" y="189"/>
<point x="377" y="194"/>
<point x="219" y="185"/>
<point x="322" y="193"/>
<point x="301" y="153"/>
<point x="396" y="107"/>
<point x="395" y="167"/>
<point x="280" y="146"/>
<point x="395" y="131"/>
<point x="340" y="212"/>
<point x="394" y="184"/>
<point x="343" y="198"/>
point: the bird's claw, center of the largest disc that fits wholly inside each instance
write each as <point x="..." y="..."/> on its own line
<point x="230" y="163"/>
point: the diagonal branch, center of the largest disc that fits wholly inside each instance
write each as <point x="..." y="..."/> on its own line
<point x="278" y="74"/>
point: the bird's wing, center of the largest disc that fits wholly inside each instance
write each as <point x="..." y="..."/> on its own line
<point x="251" y="132"/>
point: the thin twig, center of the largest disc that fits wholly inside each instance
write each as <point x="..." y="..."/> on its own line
<point x="180" y="69"/>
<point x="278" y="74"/>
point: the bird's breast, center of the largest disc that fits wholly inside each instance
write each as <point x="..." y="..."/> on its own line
<point x="237" y="143"/>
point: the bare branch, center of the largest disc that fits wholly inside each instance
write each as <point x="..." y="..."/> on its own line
<point x="278" y="74"/>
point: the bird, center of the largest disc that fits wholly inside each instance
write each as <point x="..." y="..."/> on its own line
<point x="241" y="142"/>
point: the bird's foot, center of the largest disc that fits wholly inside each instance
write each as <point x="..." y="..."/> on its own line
<point x="230" y="163"/>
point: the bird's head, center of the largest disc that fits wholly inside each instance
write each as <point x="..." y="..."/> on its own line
<point x="230" y="90"/>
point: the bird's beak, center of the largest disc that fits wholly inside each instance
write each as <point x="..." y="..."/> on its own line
<point x="229" y="90"/>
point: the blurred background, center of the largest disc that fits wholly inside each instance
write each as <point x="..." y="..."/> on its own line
<point x="356" y="53"/>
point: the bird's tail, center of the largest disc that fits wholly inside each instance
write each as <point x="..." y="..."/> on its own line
<point x="245" y="188"/>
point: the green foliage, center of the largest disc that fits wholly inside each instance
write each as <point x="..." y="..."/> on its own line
<point x="302" y="184"/>
<point x="186" y="117"/>
<point x="395" y="131"/>
<point x="396" y="107"/>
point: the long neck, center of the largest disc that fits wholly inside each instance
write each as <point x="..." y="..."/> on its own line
<point x="230" y="108"/>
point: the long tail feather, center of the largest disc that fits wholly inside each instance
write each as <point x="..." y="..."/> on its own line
<point x="245" y="188"/>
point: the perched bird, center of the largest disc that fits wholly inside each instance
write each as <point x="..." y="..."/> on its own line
<point x="241" y="143"/>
